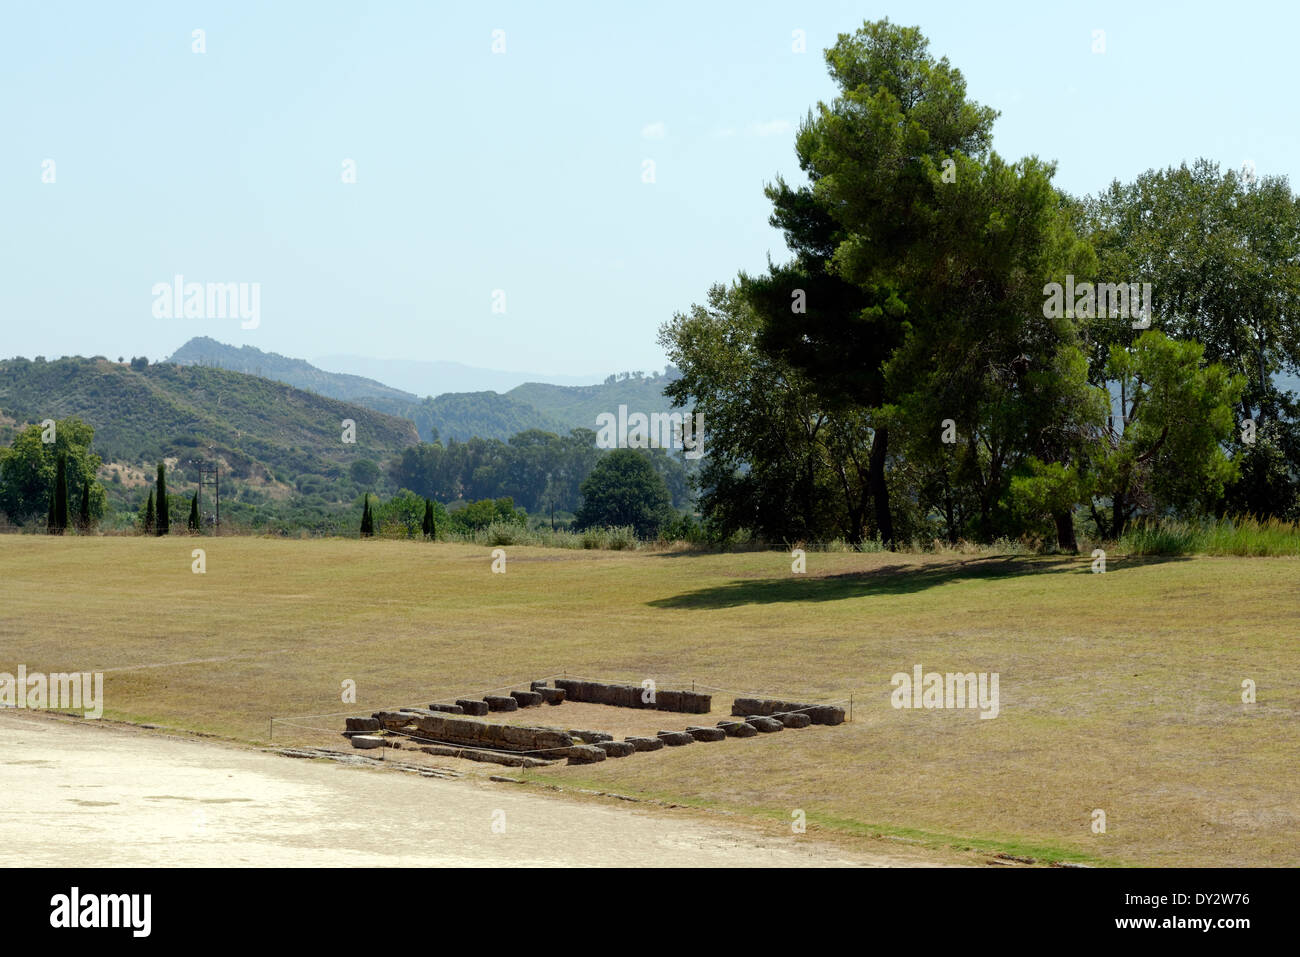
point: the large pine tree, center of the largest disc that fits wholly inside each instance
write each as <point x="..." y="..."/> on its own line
<point x="164" y="516"/>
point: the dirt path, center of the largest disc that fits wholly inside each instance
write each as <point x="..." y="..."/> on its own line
<point x="93" y="796"/>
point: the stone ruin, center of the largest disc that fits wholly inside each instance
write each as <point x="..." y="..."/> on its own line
<point x="444" y="729"/>
<point x="816" y="713"/>
<point x="634" y="696"/>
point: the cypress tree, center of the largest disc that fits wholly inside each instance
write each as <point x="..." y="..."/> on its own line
<point x="367" y="519"/>
<point x="427" y="524"/>
<point x="164" y="517"/>
<point x="83" y="515"/>
<point x="148" y="514"/>
<point x="61" y="495"/>
<point x="49" y="519"/>
<point x="194" y="513"/>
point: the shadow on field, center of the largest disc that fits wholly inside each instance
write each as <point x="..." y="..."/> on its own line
<point x="891" y="580"/>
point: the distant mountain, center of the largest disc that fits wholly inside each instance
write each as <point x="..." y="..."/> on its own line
<point x="533" y="405"/>
<point x="436" y="378"/>
<point x="203" y="351"/>
<point x="452" y="415"/>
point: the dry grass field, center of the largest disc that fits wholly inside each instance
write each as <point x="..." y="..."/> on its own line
<point x="1119" y="692"/>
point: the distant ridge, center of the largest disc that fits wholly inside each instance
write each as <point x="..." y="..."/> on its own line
<point x="203" y="351"/>
<point x="459" y="415"/>
<point x="263" y="433"/>
<point x="424" y="377"/>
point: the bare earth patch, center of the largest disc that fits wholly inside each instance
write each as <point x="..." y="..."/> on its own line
<point x="99" y="796"/>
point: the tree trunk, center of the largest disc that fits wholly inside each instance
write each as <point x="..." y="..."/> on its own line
<point x="879" y="491"/>
<point x="1065" y="540"/>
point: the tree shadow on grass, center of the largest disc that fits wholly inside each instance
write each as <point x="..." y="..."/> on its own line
<point x="897" y="579"/>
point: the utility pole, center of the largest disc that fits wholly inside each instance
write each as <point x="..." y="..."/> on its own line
<point x="211" y="473"/>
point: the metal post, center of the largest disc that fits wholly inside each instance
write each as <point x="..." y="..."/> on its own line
<point x="211" y="473"/>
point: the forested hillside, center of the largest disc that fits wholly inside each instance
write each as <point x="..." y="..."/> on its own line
<point x="264" y="434"/>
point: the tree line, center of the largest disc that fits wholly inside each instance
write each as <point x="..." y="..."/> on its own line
<point x="623" y="490"/>
<point x="913" y="372"/>
<point x="536" y="469"/>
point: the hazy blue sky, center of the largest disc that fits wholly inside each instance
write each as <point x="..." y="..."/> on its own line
<point x="521" y="171"/>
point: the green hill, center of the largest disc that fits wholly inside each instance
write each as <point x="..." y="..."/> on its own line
<point x="487" y="415"/>
<point x="458" y="415"/>
<point x="273" y="441"/>
<point x="299" y="373"/>
<point x="578" y="406"/>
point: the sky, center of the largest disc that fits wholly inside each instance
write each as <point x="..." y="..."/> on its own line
<point x="500" y="215"/>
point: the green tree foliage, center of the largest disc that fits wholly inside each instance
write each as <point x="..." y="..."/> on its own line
<point x="1268" y="482"/>
<point x="1161" y="449"/>
<point x="28" y="470"/>
<point x="485" y="512"/>
<point x="535" y="469"/>
<point x="903" y="373"/>
<point x="915" y="293"/>
<point x="193" y="523"/>
<point x="911" y="300"/>
<point x="403" y="514"/>
<point x="1222" y="253"/>
<point x="779" y="460"/>
<point x="624" y="489"/>
<point x="429" y="525"/>
<point x="364" y="472"/>
<point x="870" y="228"/>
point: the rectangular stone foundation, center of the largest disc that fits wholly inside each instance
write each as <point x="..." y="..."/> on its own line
<point x="548" y="743"/>
<point x="818" y="713"/>
<point x="492" y="757"/>
<point x="631" y="696"/>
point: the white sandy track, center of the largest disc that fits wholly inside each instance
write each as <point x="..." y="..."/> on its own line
<point x="95" y="796"/>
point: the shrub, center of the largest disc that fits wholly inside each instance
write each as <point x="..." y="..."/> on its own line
<point x="616" y="539"/>
<point x="1226" y="536"/>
